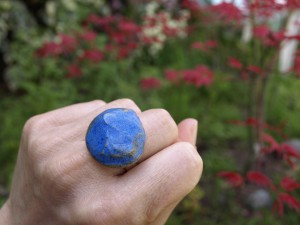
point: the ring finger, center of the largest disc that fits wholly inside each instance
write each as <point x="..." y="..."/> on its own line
<point x="161" y="131"/>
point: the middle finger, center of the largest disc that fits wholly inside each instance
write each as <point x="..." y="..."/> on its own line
<point x="161" y="131"/>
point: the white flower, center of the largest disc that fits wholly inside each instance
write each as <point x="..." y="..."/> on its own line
<point x="151" y="8"/>
<point x="289" y="47"/>
<point x="247" y="31"/>
<point x="155" y="30"/>
<point x="70" y="4"/>
<point x="155" y="48"/>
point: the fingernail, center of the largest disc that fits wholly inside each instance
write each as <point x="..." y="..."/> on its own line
<point x="194" y="131"/>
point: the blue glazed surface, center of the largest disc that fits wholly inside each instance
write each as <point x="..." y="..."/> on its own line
<point x="116" y="137"/>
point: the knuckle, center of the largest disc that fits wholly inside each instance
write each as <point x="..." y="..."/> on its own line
<point x="35" y="150"/>
<point x="191" y="155"/>
<point x="98" y="102"/>
<point x="128" y="102"/>
<point x="124" y="103"/>
<point x="166" y="119"/>
<point x="32" y="124"/>
<point x="191" y="161"/>
<point x="164" y="115"/>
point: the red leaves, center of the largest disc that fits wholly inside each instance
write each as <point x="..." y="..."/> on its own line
<point x="251" y="121"/>
<point x="271" y="142"/>
<point x="191" y="5"/>
<point x="267" y="36"/>
<point x="245" y="70"/>
<point x="248" y="122"/>
<point x="259" y="178"/>
<point x="236" y="180"/>
<point x="278" y="205"/>
<point x="49" y="49"/>
<point x="270" y="145"/>
<point x="93" y="55"/>
<point x="204" y="46"/>
<point x="261" y="31"/>
<point x="233" y="178"/>
<point x="255" y="69"/>
<point x="66" y="45"/>
<point x="234" y="63"/>
<point x="292" y="4"/>
<point x="269" y="7"/>
<point x="102" y="22"/>
<point x="289" y="151"/>
<point x="289" y="200"/>
<point x="73" y="71"/>
<point x="263" y="8"/>
<point x="128" y="26"/>
<point x="149" y="83"/>
<point x="289" y="184"/>
<point x="227" y="12"/>
<point x="124" y="34"/>
<point x="286" y="151"/>
<point x="89" y="36"/>
<point x="172" y="75"/>
<point x="198" y="76"/>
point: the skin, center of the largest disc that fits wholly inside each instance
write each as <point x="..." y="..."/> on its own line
<point x="57" y="182"/>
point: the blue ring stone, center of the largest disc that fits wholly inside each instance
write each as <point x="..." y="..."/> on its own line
<point x="116" y="137"/>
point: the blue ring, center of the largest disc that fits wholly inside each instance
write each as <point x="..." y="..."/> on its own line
<point x="116" y="137"/>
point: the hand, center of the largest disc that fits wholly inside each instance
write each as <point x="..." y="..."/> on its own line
<point x="56" y="180"/>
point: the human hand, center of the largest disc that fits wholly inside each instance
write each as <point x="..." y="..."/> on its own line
<point x="56" y="180"/>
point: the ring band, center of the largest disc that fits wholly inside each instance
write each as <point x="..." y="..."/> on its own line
<point x="116" y="137"/>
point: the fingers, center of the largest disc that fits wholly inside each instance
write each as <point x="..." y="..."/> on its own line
<point x="169" y="168"/>
<point x="59" y="117"/>
<point x="81" y="126"/>
<point x="187" y="131"/>
<point x="60" y="144"/>
<point x="161" y="131"/>
<point x="70" y="113"/>
<point x="85" y="112"/>
<point x="163" y="179"/>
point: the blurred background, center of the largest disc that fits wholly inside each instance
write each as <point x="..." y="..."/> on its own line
<point x="233" y="65"/>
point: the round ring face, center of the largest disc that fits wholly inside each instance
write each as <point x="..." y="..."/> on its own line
<point x="116" y="137"/>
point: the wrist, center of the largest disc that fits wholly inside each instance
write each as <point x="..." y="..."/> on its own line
<point x="5" y="214"/>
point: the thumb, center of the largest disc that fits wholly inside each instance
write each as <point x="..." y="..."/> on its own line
<point x="187" y="131"/>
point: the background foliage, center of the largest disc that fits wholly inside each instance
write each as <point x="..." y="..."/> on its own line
<point x="182" y="57"/>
